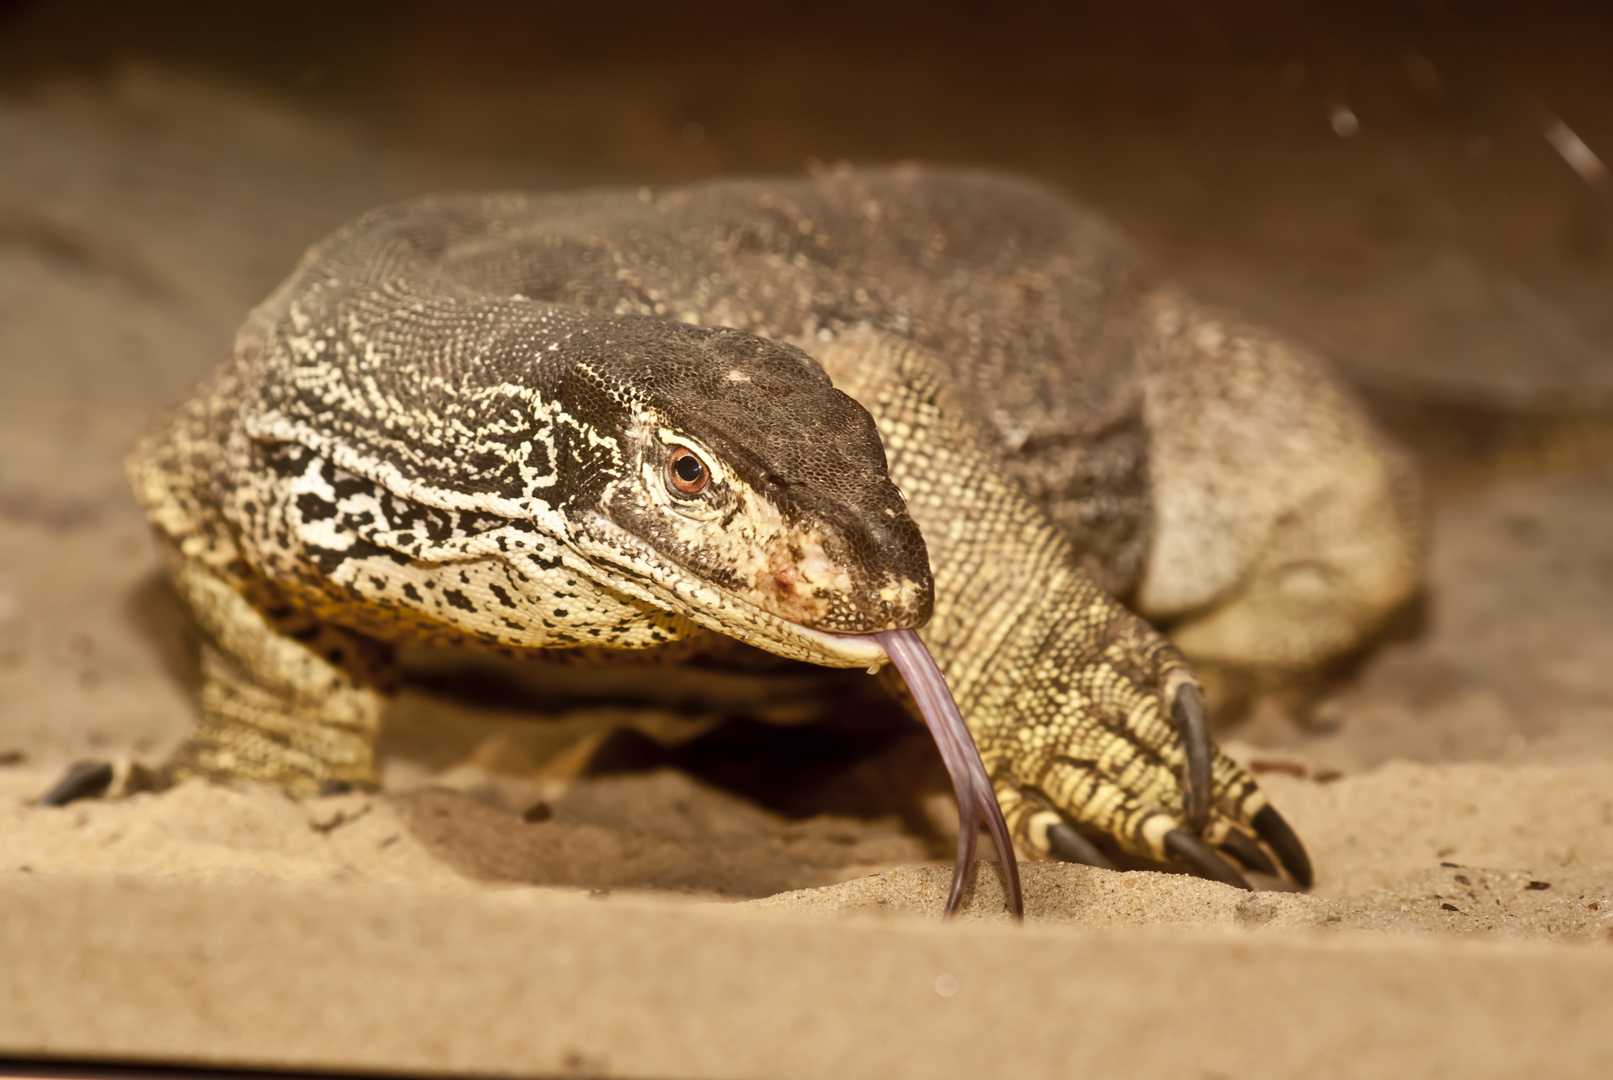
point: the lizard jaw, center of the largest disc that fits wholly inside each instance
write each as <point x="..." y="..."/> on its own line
<point x="655" y="579"/>
<point x="851" y="650"/>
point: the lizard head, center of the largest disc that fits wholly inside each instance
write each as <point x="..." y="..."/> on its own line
<point x="724" y="474"/>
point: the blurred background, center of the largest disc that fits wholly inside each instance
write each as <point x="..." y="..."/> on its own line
<point x="1420" y="189"/>
<point x="1414" y="186"/>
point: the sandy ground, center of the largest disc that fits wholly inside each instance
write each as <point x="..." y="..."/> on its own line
<point x="1459" y="786"/>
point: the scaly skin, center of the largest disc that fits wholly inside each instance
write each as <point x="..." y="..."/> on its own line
<point x="1065" y="690"/>
<point x="445" y="428"/>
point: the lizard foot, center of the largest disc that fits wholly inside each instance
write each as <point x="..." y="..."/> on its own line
<point x="1108" y="779"/>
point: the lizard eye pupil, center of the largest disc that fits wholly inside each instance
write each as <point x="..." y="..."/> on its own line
<point x="686" y="472"/>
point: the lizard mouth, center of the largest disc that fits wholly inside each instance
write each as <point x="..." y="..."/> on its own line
<point x="848" y="650"/>
<point x="656" y="578"/>
<point x="765" y="630"/>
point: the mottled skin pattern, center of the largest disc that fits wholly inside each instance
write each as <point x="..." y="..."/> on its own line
<point x="452" y="425"/>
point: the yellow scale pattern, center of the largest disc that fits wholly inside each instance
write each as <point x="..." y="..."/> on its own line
<point x="1064" y="689"/>
<point x="1061" y="685"/>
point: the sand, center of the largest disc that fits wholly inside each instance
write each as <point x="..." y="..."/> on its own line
<point x="506" y="907"/>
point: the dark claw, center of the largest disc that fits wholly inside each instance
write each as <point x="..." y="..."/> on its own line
<point x="1281" y="839"/>
<point x="84" y="780"/>
<point x="1187" y="709"/>
<point x="1247" y="851"/>
<point x="1068" y="844"/>
<point x="1202" y="859"/>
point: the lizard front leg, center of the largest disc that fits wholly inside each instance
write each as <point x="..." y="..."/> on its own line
<point x="1089" y="721"/>
<point x="287" y="699"/>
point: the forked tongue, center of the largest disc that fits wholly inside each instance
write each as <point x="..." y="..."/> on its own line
<point x="969" y="780"/>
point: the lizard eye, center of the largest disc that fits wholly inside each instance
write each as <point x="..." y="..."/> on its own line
<point x="685" y="471"/>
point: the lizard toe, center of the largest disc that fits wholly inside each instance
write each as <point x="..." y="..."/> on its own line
<point x="1277" y="834"/>
<point x="1187" y="710"/>
<point x="1202" y="859"/>
<point x="1066" y="844"/>
<point x="1240" y="806"/>
<point x="83" y="780"/>
<point x="1247" y="851"/>
<point x="104" y="779"/>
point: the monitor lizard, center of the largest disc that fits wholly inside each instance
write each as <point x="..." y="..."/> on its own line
<point x="759" y="414"/>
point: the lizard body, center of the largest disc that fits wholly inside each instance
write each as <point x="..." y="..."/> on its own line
<point x="460" y="421"/>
